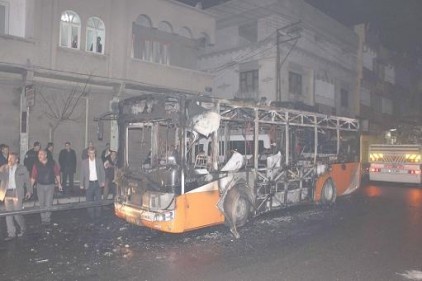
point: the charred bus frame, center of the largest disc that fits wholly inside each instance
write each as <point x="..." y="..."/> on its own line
<point x="314" y="158"/>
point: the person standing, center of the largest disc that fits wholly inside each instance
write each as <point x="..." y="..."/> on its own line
<point x="106" y="152"/>
<point x="109" y="166"/>
<point x="46" y="173"/>
<point x="99" y="45"/>
<point x="4" y="155"/>
<point x="67" y="161"/>
<point x="14" y="179"/>
<point x="92" y="177"/>
<point x="49" y="149"/>
<point x="85" y="151"/>
<point x="31" y="156"/>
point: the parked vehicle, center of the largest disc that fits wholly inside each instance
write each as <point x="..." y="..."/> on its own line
<point x="395" y="163"/>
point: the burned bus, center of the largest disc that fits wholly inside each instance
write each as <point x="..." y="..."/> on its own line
<point x="257" y="159"/>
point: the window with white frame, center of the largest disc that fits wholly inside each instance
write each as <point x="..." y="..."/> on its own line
<point x="295" y="83"/>
<point x="4" y="17"/>
<point x="13" y="17"/>
<point x="151" y="50"/>
<point x="95" y="35"/>
<point x="70" y="30"/>
<point x="249" y="84"/>
<point x="147" y="45"/>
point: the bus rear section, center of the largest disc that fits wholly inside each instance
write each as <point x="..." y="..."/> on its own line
<point x="395" y="163"/>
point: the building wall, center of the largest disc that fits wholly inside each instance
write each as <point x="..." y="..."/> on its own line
<point x="31" y="55"/>
<point x="10" y="92"/>
<point x="326" y="51"/>
<point x="388" y="84"/>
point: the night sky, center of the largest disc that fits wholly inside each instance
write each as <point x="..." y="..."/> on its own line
<point x="399" y="22"/>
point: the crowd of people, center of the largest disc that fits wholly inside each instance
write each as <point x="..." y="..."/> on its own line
<point x="42" y="174"/>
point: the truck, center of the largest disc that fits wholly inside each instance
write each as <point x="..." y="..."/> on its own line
<point x="399" y="158"/>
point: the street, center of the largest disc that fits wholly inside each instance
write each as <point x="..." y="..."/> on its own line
<point x="374" y="234"/>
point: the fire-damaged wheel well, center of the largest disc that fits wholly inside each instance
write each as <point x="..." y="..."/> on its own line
<point x="238" y="206"/>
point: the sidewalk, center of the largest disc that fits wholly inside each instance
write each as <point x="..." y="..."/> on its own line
<point x="76" y="196"/>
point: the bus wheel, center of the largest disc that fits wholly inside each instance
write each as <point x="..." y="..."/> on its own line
<point x="328" y="192"/>
<point x="237" y="208"/>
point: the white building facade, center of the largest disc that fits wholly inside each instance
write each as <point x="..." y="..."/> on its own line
<point x="63" y="61"/>
<point x="316" y="55"/>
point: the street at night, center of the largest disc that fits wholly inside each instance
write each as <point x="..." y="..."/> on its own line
<point x="210" y="140"/>
<point x="374" y="234"/>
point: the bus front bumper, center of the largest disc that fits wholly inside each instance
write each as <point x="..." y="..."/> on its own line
<point x="163" y="221"/>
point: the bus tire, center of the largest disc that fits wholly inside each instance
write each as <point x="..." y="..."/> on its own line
<point x="237" y="208"/>
<point x="328" y="192"/>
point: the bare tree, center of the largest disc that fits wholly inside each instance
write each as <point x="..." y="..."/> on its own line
<point x="61" y="108"/>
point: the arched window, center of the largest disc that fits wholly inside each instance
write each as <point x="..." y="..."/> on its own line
<point x="70" y="30"/>
<point x="165" y="26"/>
<point x="185" y="32"/>
<point x="147" y="46"/>
<point x="95" y="35"/>
<point x="143" y="20"/>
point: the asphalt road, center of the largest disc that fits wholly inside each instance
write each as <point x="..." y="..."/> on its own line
<point x="374" y="234"/>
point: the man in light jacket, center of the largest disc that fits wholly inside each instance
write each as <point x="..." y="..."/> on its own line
<point x="14" y="178"/>
<point x="92" y="178"/>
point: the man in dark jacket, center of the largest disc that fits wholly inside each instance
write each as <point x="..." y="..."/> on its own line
<point x="4" y="154"/>
<point x="46" y="174"/>
<point x="49" y="149"/>
<point x="31" y="156"/>
<point x="105" y="153"/>
<point x="67" y="161"/>
<point x="85" y="151"/>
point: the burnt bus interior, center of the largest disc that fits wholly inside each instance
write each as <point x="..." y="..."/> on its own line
<point x="282" y="148"/>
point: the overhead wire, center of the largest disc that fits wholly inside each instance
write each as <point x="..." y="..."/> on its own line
<point x="247" y="56"/>
<point x="310" y="27"/>
<point x="272" y="23"/>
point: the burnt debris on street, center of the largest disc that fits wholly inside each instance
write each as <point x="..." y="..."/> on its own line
<point x="348" y="241"/>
